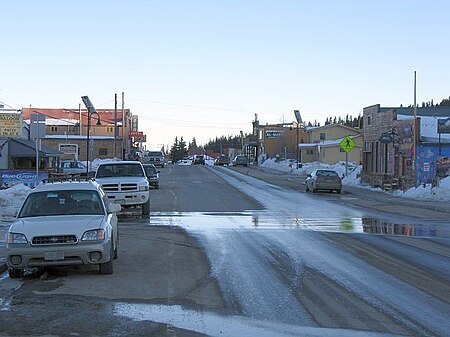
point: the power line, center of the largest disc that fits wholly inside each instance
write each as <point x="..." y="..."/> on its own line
<point x="187" y="105"/>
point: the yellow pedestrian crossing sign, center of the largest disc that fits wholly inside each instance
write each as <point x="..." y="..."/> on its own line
<point x="347" y="144"/>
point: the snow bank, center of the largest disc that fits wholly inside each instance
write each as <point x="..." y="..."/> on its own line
<point x="441" y="193"/>
<point x="11" y="199"/>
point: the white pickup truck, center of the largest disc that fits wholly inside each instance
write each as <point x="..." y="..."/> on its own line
<point x="125" y="183"/>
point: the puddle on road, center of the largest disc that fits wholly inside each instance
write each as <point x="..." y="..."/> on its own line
<point x="266" y="220"/>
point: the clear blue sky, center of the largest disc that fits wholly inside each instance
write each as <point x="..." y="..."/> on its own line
<point x="204" y="68"/>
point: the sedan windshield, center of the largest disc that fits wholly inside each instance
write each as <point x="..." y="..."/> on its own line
<point x="62" y="203"/>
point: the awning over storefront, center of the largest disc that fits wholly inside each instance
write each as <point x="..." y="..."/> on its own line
<point x="26" y="148"/>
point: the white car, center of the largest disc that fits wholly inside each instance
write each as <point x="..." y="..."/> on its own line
<point x="61" y="224"/>
<point x="125" y="183"/>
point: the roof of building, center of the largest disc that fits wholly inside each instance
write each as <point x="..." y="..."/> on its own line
<point x="77" y="137"/>
<point x="327" y="143"/>
<point x="328" y="126"/>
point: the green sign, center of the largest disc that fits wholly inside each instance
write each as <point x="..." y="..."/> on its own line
<point x="347" y="144"/>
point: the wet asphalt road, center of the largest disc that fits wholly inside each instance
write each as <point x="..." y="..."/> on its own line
<point x="224" y="254"/>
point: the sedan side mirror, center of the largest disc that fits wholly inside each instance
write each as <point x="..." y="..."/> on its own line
<point x="309" y="176"/>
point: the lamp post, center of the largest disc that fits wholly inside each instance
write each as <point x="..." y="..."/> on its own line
<point x="299" y="121"/>
<point x="90" y="111"/>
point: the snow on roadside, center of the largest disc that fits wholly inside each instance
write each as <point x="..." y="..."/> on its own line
<point x="11" y="199"/>
<point x="441" y="193"/>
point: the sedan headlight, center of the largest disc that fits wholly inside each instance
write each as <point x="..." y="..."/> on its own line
<point x="94" y="235"/>
<point x="16" y="238"/>
<point x="144" y="188"/>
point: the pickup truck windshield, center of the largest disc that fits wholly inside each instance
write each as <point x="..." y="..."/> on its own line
<point x="119" y="170"/>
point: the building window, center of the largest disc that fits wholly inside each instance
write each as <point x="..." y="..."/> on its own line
<point x="309" y="151"/>
<point x="102" y="152"/>
<point x="54" y="128"/>
<point x="322" y="136"/>
<point x="369" y="120"/>
<point x="110" y="129"/>
<point x="367" y="147"/>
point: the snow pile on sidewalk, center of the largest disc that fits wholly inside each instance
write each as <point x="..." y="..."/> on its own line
<point x="12" y="198"/>
<point x="441" y="193"/>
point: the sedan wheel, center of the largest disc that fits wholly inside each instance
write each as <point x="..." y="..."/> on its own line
<point x="107" y="267"/>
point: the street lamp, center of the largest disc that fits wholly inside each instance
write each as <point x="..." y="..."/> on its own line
<point x="299" y="121"/>
<point x="90" y="110"/>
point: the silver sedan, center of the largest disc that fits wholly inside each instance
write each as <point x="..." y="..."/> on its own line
<point x="64" y="223"/>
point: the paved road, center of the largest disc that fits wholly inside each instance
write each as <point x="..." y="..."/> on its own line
<point x="224" y="254"/>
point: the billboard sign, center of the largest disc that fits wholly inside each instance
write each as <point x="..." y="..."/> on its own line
<point x="10" y="124"/>
<point x="134" y="123"/>
<point x="11" y="178"/>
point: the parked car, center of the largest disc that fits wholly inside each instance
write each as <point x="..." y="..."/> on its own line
<point x="125" y="183"/>
<point x="72" y="167"/>
<point x="154" y="157"/>
<point x="222" y="160"/>
<point x="199" y="160"/>
<point x="152" y="175"/>
<point x="63" y="223"/>
<point x="240" y="160"/>
<point x="322" y="179"/>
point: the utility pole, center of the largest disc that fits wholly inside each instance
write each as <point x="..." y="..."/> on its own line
<point x="81" y="124"/>
<point x="115" y="125"/>
<point x="414" y="134"/>
<point x="124" y="125"/>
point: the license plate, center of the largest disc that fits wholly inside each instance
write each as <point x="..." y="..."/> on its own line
<point x="53" y="256"/>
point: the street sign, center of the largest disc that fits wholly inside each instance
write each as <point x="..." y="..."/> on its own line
<point x="386" y="138"/>
<point x="347" y="144"/>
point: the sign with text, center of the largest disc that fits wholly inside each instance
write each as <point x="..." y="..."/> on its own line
<point x="274" y="134"/>
<point x="10" y="124"/>
<point x="11" y="178"/>
<point x="69" y="149"/>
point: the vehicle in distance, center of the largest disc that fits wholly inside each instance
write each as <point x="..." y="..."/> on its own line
<point x="125" y="183"/>
<point x="154" y="157"/>
<point x="199" y="160"/>
<point x="322" y="179"/>
<point x="222" y="161"/>
<point x="152" y="175"/>
<point x="240" y="160"/>
<point x="72" y="167"/>
<point x="61" y="224"/>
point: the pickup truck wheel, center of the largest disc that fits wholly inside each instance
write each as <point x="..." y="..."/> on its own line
<point x="146" y="208"/>
<point x="107" y="267"/>
<point x="14" y="273"/>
